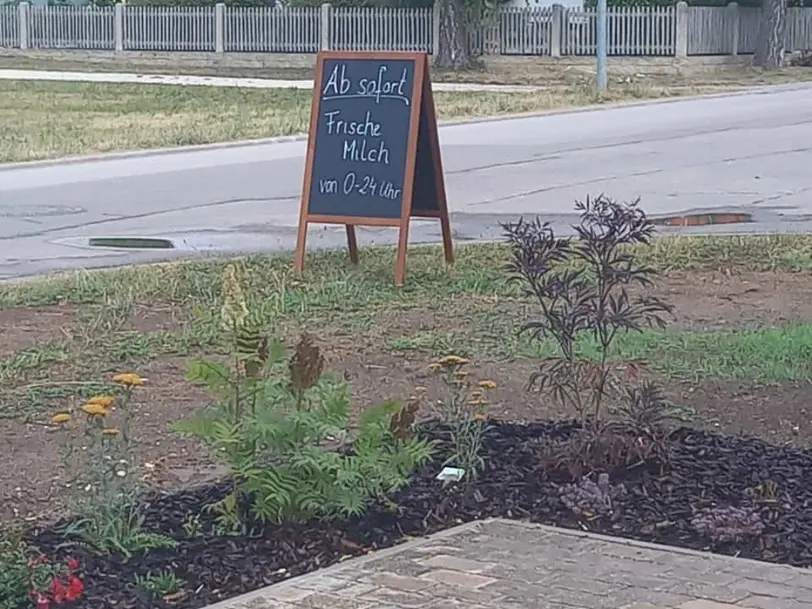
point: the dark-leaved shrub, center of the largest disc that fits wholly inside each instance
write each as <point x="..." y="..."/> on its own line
<point x="584" y="290"/>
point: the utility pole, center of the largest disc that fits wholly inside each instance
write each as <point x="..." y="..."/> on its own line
<point x="600" y="32"/>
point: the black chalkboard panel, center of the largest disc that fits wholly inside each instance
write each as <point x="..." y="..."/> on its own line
<point x="373" y="154"/>
<point x="428" y="185"/>
<point x="359" y="166"/>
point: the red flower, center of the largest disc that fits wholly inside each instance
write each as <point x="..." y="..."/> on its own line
<point x="42" y="601"/>
<point x="58" y="591"/>
<point x="72" y="563"/>
<point x="75" y="588"/>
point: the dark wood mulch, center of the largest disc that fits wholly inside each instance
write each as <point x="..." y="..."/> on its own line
<point x="658" y="506"/>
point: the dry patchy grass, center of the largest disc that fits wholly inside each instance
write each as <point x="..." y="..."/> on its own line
<point x="653" y="73"/>
<point x="55" y="119"/>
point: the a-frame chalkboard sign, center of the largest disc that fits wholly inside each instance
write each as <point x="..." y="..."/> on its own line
<point x="373" y="151"/>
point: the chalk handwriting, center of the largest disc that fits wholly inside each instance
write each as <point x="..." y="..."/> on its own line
<point x="339" y="86"/>
<point x="367" y="186"/>
<point x="328" y="187"/>
<point x="358" y="151"/>
<point x="364" y="128"/>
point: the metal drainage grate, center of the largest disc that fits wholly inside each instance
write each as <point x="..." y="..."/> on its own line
<point x="141" y="243"/>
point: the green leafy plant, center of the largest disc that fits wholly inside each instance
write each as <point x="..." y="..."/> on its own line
<point x="16" y="573"/>
<point x="464" y="410"/>
<point x="163" y="584"/>
<point x="583" y="288"/>
<point x="645" y="415"/>
<point x="101" y="461"/>
<point x="192" y="526"/>
<point x="282" y="427"/>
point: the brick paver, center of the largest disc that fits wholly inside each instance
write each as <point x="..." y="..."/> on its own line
<point x="500" y="564"/>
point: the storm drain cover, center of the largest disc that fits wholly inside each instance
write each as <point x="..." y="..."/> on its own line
<point x="141" y="243"/>
<point x="704" y="219"/>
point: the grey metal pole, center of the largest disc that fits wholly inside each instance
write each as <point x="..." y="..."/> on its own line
<point x="600" y="32"/>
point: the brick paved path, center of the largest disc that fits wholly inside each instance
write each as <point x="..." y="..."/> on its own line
<point x="499" y="564"/>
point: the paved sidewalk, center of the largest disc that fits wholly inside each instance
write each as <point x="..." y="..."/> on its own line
<point x="217" y="81"/>
<point x="500" y="564"/>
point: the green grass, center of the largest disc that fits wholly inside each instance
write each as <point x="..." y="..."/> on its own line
<point x="329" y="283"/>
<point x="770" y="355"/>
<point x="55" y="119"/>
<point x="469" y="309"/>
<point x="773" y="355"/>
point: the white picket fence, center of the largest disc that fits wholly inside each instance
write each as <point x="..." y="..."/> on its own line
<point x="659" y="31"/>
<point x="733" y="30"/>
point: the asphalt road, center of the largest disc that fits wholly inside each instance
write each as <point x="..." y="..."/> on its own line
<point x="748" y="153"/>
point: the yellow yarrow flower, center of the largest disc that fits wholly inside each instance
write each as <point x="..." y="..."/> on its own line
<point x="452" y="360"/>
<point x="130" y="379"/>
<point x="487" y="384"/>
<point x="95" y="410"/>
<point x="105" y="401"/>
<point x="110" y="431"/>
<point x="480" y="417"/>
<point x="61" y="418"/>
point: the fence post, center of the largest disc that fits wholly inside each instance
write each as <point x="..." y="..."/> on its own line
<point x="556" y="30"/>
<point x="435" y="27"/>
<point x="118" y="26"/>
<point x="326" y="14"/>
<point x="23" y="25"/>
<point x="601" y="42"/>
<point x="735" y="16"/>
<point x="219" y="27"/>
<point x="681" y="28"/>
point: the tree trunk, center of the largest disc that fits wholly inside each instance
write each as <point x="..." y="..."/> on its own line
<point x="454" y="52"/>
<point x="770" y="42"/>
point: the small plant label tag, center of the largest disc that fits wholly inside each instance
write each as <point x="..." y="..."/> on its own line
<point x="451" y="474"/>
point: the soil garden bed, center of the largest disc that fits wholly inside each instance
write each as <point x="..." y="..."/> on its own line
<point x="734" y="363"/>
<point x="706" y="469"/>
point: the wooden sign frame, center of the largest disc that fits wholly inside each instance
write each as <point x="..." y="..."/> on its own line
<point x="421" y="87"/>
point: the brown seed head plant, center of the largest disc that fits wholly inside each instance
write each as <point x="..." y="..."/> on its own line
<point x="582" y="288"/>
<point x="305" y="367"/>
<point x="402" y="422"/>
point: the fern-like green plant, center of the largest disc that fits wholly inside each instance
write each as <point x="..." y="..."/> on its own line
<point x="282" y="426"/>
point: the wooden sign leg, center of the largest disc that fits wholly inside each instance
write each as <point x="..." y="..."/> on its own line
<point x="301" y="243"/>
<point x="400" y="261"/>
<point x="352" y="243"/>
<point x="448" y="248"/>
